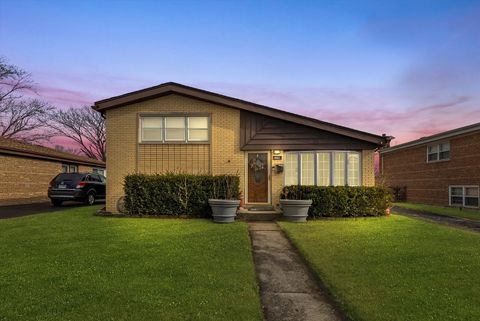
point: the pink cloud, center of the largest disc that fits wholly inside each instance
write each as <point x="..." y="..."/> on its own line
<point x="64" y="97"/>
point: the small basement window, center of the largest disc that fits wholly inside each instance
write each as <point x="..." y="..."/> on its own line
<point x="438" y="152"/>
<point x="66" y="168"/>
<point x="464" y="196"/>
<point x="98" y="170"/>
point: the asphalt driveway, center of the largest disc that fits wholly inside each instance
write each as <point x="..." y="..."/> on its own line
<point x="31" y="209"/>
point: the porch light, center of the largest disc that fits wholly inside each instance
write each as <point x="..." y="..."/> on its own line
<point x="276" y="152"/>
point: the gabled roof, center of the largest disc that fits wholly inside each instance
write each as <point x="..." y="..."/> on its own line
<point x="14" y="147"/>
<point x="175" y="88"/>
<point x="436" y="137"/>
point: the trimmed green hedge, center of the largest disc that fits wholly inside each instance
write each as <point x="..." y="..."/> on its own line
<point x="177" y="194"/>
<point x="341" y="201"/>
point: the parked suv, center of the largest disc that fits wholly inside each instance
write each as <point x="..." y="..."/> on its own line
<point x="80" y="187"/>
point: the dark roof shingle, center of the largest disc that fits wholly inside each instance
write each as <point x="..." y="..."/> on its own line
<point x="15" y="147"/>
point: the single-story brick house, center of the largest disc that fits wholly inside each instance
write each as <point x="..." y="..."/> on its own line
<point x="442" y="169"/>
<point x="26" y="170"/>
<point x="172" y="127"/>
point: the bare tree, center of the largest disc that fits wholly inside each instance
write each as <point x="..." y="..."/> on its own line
<point x="84" y="126"/>
<point x="21" y="118"/>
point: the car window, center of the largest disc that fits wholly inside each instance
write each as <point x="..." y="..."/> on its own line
<point x="95" y="178"/>
<point x="102" y="178"/>
<point x="68" y="177"/>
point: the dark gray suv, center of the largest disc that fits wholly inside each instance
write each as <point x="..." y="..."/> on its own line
<point x="81" y="187"/>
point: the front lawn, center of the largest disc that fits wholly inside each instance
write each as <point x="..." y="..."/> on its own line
<point x="441" y="210"/>
<point x="394" y="268"/>
<point x="70" y="265"/>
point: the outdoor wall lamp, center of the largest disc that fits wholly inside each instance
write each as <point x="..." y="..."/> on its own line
<point x="276" y="152"/>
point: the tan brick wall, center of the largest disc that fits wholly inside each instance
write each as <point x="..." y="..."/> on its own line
<point x="277" y="180"/>
<point x="25" y="180"/>
<point x="368" y="168"/>
<point x="85" y="169"/>
<point x="123" y="155"/>
<point x="428" y="182"/>
<point x="161" y="158"/>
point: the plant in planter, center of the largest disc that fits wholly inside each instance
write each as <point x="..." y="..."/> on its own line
<point x="225" y="199"/>
<point x="295" y="205"/>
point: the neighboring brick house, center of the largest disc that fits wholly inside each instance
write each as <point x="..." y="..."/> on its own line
<point x="172" y="127"/>
<point x="443" y="169"/>
<point x="26" y="170"/>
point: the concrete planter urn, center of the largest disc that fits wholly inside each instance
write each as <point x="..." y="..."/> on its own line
<point x="295" y="210"/>
<point x="224" y="211"/>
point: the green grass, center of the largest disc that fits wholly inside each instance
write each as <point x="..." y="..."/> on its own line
<point x="71" y="265"/>
<point x="441" y="210"/>
<point x="394" y="268"/>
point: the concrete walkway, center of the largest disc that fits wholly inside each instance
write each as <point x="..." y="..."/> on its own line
<point x="288" y="289"/>
<point x="448" y="220"/>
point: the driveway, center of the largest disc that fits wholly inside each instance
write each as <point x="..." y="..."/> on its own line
<point x="441" y="219"/>
<point x="30" y="209"/>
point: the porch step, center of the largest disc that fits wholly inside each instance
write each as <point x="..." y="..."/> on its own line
<point x="257" y="215"/>
<point x="256" y="208"/>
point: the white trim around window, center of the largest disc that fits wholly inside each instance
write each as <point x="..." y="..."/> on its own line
<point x="323" y="168"/>
<point x="464" y="195"/>
<point x="438" y="152"/>
<point x="174" y="128"/>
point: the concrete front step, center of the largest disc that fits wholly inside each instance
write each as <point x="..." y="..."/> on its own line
<point x="259" y="215"/>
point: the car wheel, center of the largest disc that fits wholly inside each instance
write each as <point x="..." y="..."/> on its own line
<point x="90" y="199"/>
<point x="57" y="202"/>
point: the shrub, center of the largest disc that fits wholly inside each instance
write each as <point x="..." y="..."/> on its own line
<point x="341" y="201"/>
<point x="177" y="194"/>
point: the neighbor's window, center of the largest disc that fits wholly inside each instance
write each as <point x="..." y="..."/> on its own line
<point x="100" y="171"/>
<point x="438" y="152"/>
<point x="174" y="129"/>
<point x="465" y="196"/>
<point x="322" y="168"/>
<point x="66" y="168"/>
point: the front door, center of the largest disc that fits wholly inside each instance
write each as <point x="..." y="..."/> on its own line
<point x="258" y="178"/>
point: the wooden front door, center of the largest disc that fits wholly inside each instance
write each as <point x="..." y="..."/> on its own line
<point x="258" y="170"/>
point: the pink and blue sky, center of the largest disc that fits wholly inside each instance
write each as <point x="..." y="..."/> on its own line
<point x="404" y="68"/>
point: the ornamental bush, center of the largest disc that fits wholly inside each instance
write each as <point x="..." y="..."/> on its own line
<point x="341" y="201"/>
<point x="177" y="194"/>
